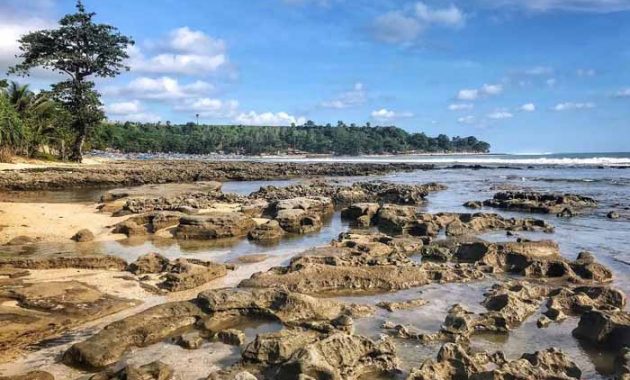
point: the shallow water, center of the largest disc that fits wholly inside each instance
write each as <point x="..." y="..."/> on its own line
<point x="592" y="231"/>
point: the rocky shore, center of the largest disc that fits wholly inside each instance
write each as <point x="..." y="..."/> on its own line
<point x="134" y="173"/>
<point x="103" y="311"/>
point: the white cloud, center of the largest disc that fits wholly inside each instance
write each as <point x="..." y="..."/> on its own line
<point x="528" y="107"/>
<point x="395" y="27"/>
<point x="585" y="72"/>
<point x="470" y="94"/>
<point x="352" y="98"/>
<point x="551" y="82"/>
<point x="11" y="30"/>
<point x="492" y="89"/>
<point x="122" y="108"/>
<point x="130" y="111"/>
<point x="468" y="119"/>
<point x="567" y="106"/>
<point x="162" y="88"/>
<point x="597" y="6"/>
<point x="209" y="107"/>
<point x="184" y="51"/>
<point x="187" y="40"/>
<point x="384" y="114"/>
<point x="460" y="106"/>
<point x="406" y="26"/>
<point x="268" y="118"/>
<point x="499" y="115"/>
<point x="623" y="93"/>
<point x="451" y="16"/>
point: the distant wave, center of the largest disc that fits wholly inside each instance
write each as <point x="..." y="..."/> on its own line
<point x="474" y="160"/>
<point x="546" y="159"/>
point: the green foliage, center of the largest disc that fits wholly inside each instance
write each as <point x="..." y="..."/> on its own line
<point x="341" y="140"/>
<point x="79" y="49"/>
<point x="31" y="123"/>
<point x="11" y="126"/>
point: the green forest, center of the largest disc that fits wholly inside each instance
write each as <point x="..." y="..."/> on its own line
<point x="36" y="125"/>
<point x="341" y="139"/>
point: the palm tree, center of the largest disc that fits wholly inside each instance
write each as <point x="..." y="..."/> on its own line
<point x="19" y="96"/>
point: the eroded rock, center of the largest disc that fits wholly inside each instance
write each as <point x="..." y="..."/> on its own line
<point x="152" y="371"/>
<point x="538" y="259"/>
<point x="268" y="231"/>
<point x="46" y="309"/>
<point x="215" y="225"/>
<point x="608" y="329"/>
<point x="546" y="203"/>
<point x="83" y="235"/>
<point x="456" y="362"/>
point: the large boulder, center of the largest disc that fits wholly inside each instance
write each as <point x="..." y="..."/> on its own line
<point x="608" y="329"/>
<point x="149" y="263"/>
<point x="139" y="330"/>
<point x="361" y="214"/>
<point x="578" y="300"/>
<point x="313" y="205"/>
<point x="214" y="225"/>
<point x="83" y="236"/>
<point x="188" y="274"/>
<point x="537" y="259"/>
<point x="298" y="221"/>
<point x="339" y="356"/>
<point x="267" y="231"/>
<point x="278" y="347"/>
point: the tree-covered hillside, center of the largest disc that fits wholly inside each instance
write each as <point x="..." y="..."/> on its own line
<point x="340" y="140"/>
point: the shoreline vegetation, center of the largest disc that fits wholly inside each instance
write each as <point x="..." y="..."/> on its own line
<point x="342" y="139"/>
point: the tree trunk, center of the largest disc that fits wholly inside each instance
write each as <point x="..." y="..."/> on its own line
<point x="77" y="148"/>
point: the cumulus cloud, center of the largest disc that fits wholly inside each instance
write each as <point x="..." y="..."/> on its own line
<point x="384" y="114"/>
<point x="183" y="51"/>
<point x="568" y="106"/>
<point x="450" y="16"/>
<point x="18" y="18"/>
<point x="355" y="97"/>
<point x="130" y="111"/>
<point x="528" y="107"/>
<point x="470" y="94"/>
<point x="491" y="89"/>
<point x="395" y="27"/>
<point x="210" y="107"/>
<point x="460" y="106"/>
<point x="468" y="119"/>
<point x="162" y="88"/>
<point x="500" y="115"/>
<point x="268" y="118"/>
<point x="406" y="26"/>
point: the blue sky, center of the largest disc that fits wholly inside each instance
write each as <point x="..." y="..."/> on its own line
<point x="526" y="76"/>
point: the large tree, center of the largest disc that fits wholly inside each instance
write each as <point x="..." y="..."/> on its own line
<point x="79" y="49"/>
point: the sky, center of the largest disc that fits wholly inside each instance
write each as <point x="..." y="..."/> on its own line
<point x="528" y="76"/>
